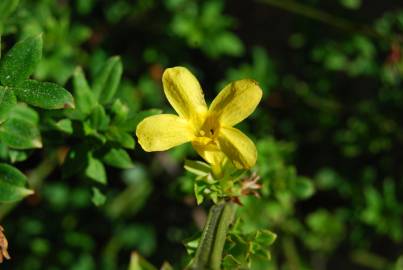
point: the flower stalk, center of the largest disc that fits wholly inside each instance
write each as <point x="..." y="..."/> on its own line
<point x="210" y="250"/>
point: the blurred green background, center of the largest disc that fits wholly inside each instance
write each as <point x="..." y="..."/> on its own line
<point x="329" y="131"/>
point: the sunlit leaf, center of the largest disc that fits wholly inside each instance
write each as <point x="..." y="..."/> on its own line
<point x="95" y="170"/>
<point x="139" y="263"/>
<point x="44" y="95"/>
<point x="84" y="97"/>
<point x="107" y="80"/>
<point x="98" y="119"/>
<point x="12" y="184"/>
<point x="98" y="198"/>
<point x="123" y="138"/>
<point x="20" y="61"/>
<point x="118" y="158"/>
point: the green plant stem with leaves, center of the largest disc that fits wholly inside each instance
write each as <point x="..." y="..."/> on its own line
<point x="210" y="250"/>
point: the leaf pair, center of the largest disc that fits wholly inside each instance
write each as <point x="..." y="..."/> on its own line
<point x="115" y="157"/>
<point x="15" y="68"/>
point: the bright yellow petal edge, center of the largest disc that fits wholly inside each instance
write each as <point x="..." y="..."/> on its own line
<point x="185" y="94"/>
<point x="237" y="147"/>
<point x="162" y="132"/>
<point x="236" y="101"/>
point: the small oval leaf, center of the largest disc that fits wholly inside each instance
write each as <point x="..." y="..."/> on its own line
<point x="108" y="79"/>
<point x="20" y="61"/>
<point x="121" y="137"/>
<point x="98" y="198"/>
<point x="95" y="170"/>
<point x="302" y="188"/>
<point x="98" y="119"/>
<point x="20" y="134"/>
<point x="84" y="97"/>
<point x="118" y="158"/>
<point x="44" y="95"/>
<point x="12" y="184"/>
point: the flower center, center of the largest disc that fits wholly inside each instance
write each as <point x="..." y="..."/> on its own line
<point x="208" y="132"/>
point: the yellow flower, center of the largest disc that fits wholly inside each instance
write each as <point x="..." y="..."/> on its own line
<point x="210" y="130"/>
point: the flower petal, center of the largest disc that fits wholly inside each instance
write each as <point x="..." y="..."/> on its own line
<point x="163" y="131"/>
<point x="236" y="101"/>
<point x="209" y="152"/>
<point x="237" y="147"/>
<point x="184" y="93"/>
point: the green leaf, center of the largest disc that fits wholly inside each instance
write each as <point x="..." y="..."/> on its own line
<point x="84" y="97"/>
<point x="89" y="131"/>
<point x="265" y="237"/>
<point x="20" y="61"/>
<point x="20" y="134"/>
<point x="123" y="138"/>
<point x="120" y="111"/>
<point x="166" y="266"/>
<point x="99" y="120"/>
<point x="20" y="131"/>
<point x="226" y="43"/>
<point x="139" y="263"/>
<point x="108" y="79"/>
<point x="303" y="188"/>
<point x="12" y="184"/>
<point x="95" y="170"/>
<point x="199" y="192"/>
<point x="198" y="168"/>
<point x="229" y="262"/>
<point x="6" y="8"/>
<point x="44" y="95"/>
<point x="351" y="4"/>
<point x="22" y="111"/>
<point x="98" y="198"/>
<point x="191" y="244"/>
<point x="7" y="102"/>
<point x="65" y="125"/>
<point x="17" y="155"/>
<point x="118" y="158"/>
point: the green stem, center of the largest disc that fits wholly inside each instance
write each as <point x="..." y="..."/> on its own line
<point x="42" y="171"/>
<point x="211" y="246"/>
<point x="322" y="16"/>
<point x="290" y="253"/>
